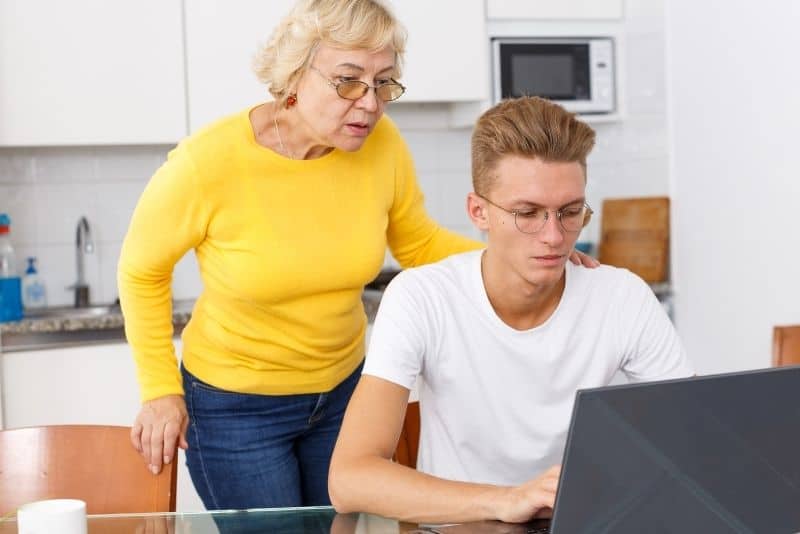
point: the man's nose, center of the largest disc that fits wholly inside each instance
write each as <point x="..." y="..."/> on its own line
<point x="552" y="232"/>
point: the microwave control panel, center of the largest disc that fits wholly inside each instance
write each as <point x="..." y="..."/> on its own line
<point x="601" y="61"/>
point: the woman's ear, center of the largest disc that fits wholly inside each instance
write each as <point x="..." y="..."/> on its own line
<point x="476" y="209"/>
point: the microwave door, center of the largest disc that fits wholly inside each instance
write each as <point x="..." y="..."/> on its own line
<point x="558" y="72"/>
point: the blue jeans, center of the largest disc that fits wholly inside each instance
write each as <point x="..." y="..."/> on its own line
<point x="262" y="451"/>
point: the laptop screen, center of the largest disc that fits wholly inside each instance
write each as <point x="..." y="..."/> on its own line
<point x="707" y="454"/>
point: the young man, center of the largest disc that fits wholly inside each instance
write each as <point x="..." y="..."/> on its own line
<point x="502" y="339"/>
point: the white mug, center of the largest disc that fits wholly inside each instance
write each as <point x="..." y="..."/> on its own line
<point x="55" y="516"/>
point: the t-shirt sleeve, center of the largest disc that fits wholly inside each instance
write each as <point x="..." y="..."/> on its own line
<point x="398" y="341"/>
<point x="650" y="345"/>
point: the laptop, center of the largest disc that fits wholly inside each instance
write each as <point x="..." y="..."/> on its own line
<point x="713" y="454"/>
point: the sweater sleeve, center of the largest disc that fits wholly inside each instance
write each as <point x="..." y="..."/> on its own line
<point x="414" y="238"/>
<point x="170" y="218"/>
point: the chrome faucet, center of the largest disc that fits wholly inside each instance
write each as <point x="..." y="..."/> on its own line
<point x="83" y="245"/>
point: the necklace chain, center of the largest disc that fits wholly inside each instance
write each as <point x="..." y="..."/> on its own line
<point x="280" y="141"/>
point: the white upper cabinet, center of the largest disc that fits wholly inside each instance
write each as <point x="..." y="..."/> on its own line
<point x="91" y="72"/>
<point x="447" y="55"/>
<point x="446" y="59"/>
<point x="554" y="9"/>
<point x="222" y="38"/>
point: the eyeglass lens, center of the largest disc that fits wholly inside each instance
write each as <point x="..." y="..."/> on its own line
<point x="355" y="89"/>
<point x="572" y="218"/>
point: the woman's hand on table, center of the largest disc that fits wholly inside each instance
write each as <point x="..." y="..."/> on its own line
<point x="159" y="428"/>
<point x="579" y="258"/>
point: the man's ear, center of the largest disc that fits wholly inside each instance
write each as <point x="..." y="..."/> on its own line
<point x="478" y="214"/>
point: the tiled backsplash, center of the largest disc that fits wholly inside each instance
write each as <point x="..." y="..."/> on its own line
<point x="46" y="190"/>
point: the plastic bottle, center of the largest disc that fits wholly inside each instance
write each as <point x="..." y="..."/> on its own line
<point x="10" y="286"/>
<point x="33" y="292"/>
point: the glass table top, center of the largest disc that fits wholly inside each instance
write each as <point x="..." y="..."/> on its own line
<point x="321" y="520"/>
<point x="313" y="520"/>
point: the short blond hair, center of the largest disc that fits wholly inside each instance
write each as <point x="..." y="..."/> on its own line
<point x="530" y="127"/>
<point x="345" y="24"/>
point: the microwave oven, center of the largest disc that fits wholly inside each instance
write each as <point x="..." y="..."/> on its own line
<point x="577" y="73"/>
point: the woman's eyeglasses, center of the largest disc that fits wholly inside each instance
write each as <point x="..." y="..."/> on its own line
<point x="355" y="89"/>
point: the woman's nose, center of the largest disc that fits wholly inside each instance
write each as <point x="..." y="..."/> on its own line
<point x="369" y="100"/>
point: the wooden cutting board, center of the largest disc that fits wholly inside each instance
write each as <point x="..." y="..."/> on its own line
<point x="634" y="234"/>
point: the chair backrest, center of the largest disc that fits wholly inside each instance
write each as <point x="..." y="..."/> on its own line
<point x="786" y="345"/>
<point x="94" y="463"/>
<point x="408" y="444"/>
<point x="634" y="234"/>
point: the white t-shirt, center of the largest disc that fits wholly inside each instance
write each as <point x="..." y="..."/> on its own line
<point x="496" y="402"/>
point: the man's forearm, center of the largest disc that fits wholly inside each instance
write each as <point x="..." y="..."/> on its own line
<point x="379" y="486"/>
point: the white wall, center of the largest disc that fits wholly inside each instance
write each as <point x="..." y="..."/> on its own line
<point x="733" y="85"/>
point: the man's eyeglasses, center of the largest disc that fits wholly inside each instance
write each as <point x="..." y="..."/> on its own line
<point x="529" y="221"/>
<point x="355" y="89"/>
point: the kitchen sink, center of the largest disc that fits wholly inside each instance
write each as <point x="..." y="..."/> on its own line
<point x="67" y="326"/>
<point x="70" y="312"/>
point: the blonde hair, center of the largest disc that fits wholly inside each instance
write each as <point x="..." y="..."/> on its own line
<point x="529" y="127"/>
<point x="344" y="24"/>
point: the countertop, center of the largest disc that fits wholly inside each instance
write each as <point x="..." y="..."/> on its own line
<point x="105" y="324"/>
<point x="101" y="324"/>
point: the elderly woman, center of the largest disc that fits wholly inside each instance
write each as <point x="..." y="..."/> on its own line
<point x="289" y="206"/>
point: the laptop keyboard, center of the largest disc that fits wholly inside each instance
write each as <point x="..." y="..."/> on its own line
<point x="537" y="530"/>
<point x="535" y="527"/>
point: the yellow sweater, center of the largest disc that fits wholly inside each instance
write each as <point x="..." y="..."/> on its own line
<point x="284" y="249"/>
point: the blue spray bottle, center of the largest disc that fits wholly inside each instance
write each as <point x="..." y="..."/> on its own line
<point x="10" y="286"/>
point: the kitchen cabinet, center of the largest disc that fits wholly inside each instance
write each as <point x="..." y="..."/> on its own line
<point x="554" y="9"/>
<point x="446" y="59"/>
<point x="447" y="54"/>
<point x="91" y="72"/>
<point x="567" y="18"/>
<point x="222" y="39"/>
<point x="88" y="384"/>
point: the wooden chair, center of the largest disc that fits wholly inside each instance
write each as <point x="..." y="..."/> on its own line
<point x="634" y="234"/>
<point x="94" y="463"/>
<point x="786" y="345"/>
<point x="408" y="444"/>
